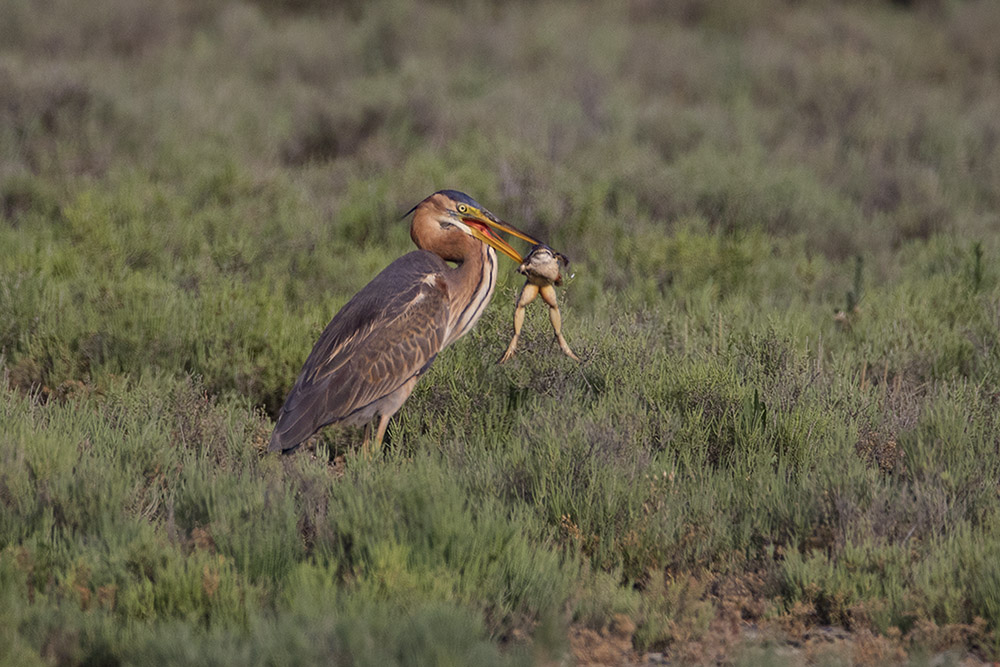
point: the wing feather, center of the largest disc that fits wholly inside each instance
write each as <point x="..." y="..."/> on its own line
<point x="385" y="335"/>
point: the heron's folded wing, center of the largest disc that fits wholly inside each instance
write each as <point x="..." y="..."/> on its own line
<point x="389" y="332"/>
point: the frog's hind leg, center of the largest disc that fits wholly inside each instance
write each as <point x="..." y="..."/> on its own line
<point x="528" y="294"/>
<point x="549" y="296"/>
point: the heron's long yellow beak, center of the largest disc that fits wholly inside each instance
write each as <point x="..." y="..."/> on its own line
<point x="480" y="221"/>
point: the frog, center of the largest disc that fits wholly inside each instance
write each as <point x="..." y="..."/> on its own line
<point x="541" y="268"/>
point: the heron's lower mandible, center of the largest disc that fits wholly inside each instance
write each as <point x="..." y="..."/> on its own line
<point x="541" y="266"/>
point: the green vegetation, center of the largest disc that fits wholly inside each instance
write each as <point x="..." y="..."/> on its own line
<point x="189" y="190"/>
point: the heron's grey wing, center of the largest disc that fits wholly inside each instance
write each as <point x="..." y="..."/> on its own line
<point x="387" y="333"/>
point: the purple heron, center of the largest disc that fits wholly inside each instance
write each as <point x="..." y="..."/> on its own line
<point x="371" y="354"/>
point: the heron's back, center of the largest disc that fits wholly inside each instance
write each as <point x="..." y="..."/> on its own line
<point x="387" y="334"/>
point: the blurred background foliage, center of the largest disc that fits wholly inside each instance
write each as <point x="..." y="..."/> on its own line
<point x="782" y="221"/>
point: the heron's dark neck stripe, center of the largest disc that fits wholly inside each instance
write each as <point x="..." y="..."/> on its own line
<point x="480" y="295"/>
<point x="489" y="274"/>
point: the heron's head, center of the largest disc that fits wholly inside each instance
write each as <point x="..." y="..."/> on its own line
<point x="447" y="217"/>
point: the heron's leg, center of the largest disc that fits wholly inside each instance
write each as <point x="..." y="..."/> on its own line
<point x="549" y="296"/>
<point x="366" y="444"/>
<point x="383" y="424"/>
<point x="366" y="447"/>
<point x="528" y="294"/>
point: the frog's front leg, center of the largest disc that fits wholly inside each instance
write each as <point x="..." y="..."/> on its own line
<point x="528" y="294"/>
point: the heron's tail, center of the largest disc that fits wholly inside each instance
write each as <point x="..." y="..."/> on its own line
<point x="285" y="445"/>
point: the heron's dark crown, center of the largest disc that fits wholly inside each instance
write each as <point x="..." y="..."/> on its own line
<point x="460" y="197"/>
<point x="454" y="195"/>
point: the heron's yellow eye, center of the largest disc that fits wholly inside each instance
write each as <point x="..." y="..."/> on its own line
<point x="462" y="208"/>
